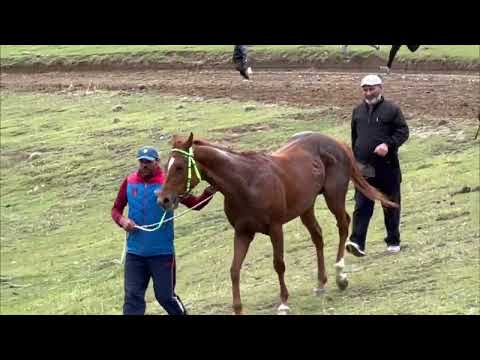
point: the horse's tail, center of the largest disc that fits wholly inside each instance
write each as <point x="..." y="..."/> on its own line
<point x="361" y="184"/>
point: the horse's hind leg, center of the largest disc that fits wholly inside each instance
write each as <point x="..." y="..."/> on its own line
<point x="335" y="195"/>
<point x="276" y="236"/>
<point x="310" y="222"/>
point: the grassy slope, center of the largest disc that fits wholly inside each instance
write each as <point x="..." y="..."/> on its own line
<point x="57" y="238"/>
<point x="67" y="54"/>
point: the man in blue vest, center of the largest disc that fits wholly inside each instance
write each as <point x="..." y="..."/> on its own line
<point x="149" y="254"/>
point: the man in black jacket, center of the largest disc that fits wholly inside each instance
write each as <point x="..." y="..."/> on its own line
<point x="378" y="130"/>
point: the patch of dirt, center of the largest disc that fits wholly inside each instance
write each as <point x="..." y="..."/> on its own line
<point x="457" y="133"/>
<point x="116" y="132"/>
<point x="465" y="190"/>
<point x="233" y="134"/>
<point x="247" y="128"/>
<point x="314" y="116"/>
<point x="435" y="96"/>
<point x="14" y="155"/>
<point x="451" y="215"/>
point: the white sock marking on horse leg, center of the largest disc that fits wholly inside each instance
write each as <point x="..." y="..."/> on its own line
<point x="339" y="266"/>
<point x="283" y="309"/>
<point x="319" y="290"/>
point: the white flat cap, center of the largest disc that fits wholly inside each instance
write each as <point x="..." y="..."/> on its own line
<point x="371" y="80"/>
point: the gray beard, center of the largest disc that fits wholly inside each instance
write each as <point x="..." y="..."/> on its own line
<point x="374" y="101"/>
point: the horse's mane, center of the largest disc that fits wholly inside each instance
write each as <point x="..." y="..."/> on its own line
<point x="248" y="153"/>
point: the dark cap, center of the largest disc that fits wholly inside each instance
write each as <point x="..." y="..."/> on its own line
<point x="147" y="153"/>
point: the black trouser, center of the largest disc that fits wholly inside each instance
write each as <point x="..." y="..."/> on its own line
<point x="240" y="59"/>
<point x="241" y="65"/>
<point x="394" y="50"/>
<point x="364" y="211"/>
<point x="138" y="271"/>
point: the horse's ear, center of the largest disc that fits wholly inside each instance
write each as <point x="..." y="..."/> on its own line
<point x="174" y="139"/>
<point x="189" y="141"/>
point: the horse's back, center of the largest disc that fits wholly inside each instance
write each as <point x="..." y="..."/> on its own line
<point x="303" y="159"/>
<point x="312" y="136"/>
<point x="313" y="142"/>
<point x="322" y="148"/>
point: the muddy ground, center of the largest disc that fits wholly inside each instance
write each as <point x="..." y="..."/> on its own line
<point x="434" y="96"/>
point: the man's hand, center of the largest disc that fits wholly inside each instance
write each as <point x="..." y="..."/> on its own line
<point x="381" y="150"/>
<point x="127" y="224"/>
<point x="210" y="190"/>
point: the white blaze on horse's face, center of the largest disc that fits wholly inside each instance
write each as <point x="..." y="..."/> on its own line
<point x="170" y="163"/>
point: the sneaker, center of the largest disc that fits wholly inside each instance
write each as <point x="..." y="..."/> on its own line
<point x="385" y="69"/>
<point x="354" y="249"/>
<point x="244" y="74"/>
<point x="393" y="249"/>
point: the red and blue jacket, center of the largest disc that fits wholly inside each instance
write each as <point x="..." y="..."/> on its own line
<point x="139" y="195"/>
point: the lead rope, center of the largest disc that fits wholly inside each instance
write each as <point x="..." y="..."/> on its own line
<point x="157" y="226"/>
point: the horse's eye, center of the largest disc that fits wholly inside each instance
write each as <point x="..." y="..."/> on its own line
<point x="178" y="168"/>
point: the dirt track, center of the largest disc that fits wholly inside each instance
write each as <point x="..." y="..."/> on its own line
<point x="427" y="95"/>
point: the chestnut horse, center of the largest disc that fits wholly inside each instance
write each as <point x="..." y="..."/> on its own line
<point x="264" y="191"/>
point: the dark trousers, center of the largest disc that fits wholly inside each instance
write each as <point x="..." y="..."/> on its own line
<point x="242" y="66"/>
<point x="364" y="210"/>
<point x="394" y="50"/>
<point x="138" y="271"/>
<point x="240" y="59"/>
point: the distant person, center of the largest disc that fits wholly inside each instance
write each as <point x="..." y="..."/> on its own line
<point x="240" y="59"/>
<point x="378" y="130"/>
<point x="393" y="53"/>
<point x="149" y="254"/>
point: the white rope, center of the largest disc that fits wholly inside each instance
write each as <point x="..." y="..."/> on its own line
<point x="124" y="253"/>
<point x="147" y="227"/>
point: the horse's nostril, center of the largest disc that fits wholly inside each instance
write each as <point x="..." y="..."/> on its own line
<point x="166" y="201"/>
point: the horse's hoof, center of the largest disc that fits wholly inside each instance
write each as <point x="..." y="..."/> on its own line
<point x="283" y="310"/>
<point x="319" y="291"/>
<point x="342" y="283"/>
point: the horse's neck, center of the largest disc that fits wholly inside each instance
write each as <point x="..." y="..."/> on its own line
<point x="221" y="169"/>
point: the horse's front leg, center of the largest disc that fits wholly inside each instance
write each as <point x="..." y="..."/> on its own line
<point x="241" y="243"/>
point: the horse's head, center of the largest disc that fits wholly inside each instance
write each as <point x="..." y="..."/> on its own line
<point x="182" y="174"/>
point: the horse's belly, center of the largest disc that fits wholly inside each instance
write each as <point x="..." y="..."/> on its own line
<point x="248" y="219"/>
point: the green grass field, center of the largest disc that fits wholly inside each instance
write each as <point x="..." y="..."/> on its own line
<point x="80" y="54"/>
<point x="58" y="240"/>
